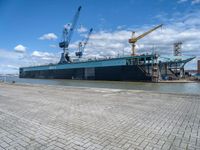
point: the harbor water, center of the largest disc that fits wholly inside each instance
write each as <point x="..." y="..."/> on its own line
<point x="189" y="88"/>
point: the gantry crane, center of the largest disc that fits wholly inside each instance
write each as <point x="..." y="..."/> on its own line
<point x="133" y="39"/>
<point x="67" y="35"/>
<point x="83" y="43"/>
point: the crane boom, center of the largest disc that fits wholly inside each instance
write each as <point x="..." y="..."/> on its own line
<point x="83" y="44"/>
<point x="87" y="38"/>
<point x="133" y="40"/>
<point x="67" y="35"/>
<point x="74" y="22"/>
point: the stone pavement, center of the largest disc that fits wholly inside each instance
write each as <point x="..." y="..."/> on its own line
<point x="55" y="117"/>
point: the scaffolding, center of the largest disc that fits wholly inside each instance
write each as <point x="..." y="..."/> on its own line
<point x="177" y="48"/>
<point x="161" y="68"/>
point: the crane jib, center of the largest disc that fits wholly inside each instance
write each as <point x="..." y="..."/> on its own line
<point x="83" y="44"/>
<point x="74" y="22"/>
<point x="69" y="32"/>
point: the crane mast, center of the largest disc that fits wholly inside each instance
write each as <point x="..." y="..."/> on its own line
<point x="133" y="40"/>
<point x="82" y="44"/>
<point x="67" y="35"/>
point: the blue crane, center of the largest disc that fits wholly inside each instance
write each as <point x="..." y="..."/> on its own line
<point x="83" y="43"/>
<point x="67" y="35"/>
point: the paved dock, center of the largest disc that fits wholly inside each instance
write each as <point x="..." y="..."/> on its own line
<point x="55" y="117"/>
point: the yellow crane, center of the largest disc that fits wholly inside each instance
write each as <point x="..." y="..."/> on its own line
<point x="133" y="39"/>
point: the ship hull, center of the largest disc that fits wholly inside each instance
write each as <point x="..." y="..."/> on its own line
<point x="133" y="68"/>
<point x="110" y="73"/>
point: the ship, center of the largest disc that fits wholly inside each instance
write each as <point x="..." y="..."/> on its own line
<point x="145" y="67"/>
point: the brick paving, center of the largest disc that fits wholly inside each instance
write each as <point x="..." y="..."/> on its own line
<point x="53" y="117"/>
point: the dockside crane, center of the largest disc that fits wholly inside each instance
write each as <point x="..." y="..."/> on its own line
<point x="83" y="43"/>
<point x="133" y="39"/>
<point x="67" y="35"/>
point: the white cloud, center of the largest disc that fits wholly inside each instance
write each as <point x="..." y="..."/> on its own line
<point x="195" y="1"/>
<point x="42" y="58"/>
<point x="10" y="61"/>
<point x="48" y="36"/>
<point x="20" y="48"/>
<point x="114" y="43"/>
<point x="53" y="46"/>
<point x="5" y="54"/>
<point x="82" y="29"/>
<point x="121" y="27"/>
<point x="8" y="69"/>
<point x="33" y="59"/>
<point x="42" y="55"/>
<point x="104" y="43"/>
<point x="9" y="66"/>
<point x="182" y="1"/>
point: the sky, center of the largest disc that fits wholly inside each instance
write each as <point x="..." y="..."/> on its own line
<point x="32" y="29"/>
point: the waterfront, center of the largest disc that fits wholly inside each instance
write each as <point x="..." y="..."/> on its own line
<point x="189" y="88"/>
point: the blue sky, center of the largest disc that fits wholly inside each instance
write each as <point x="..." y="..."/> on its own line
<point x="31" y="29"/>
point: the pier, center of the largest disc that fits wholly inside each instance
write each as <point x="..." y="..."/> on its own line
<point x="57" y="117"/>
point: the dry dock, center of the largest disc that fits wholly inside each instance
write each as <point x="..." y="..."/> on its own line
<point x="55" y="117"/>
